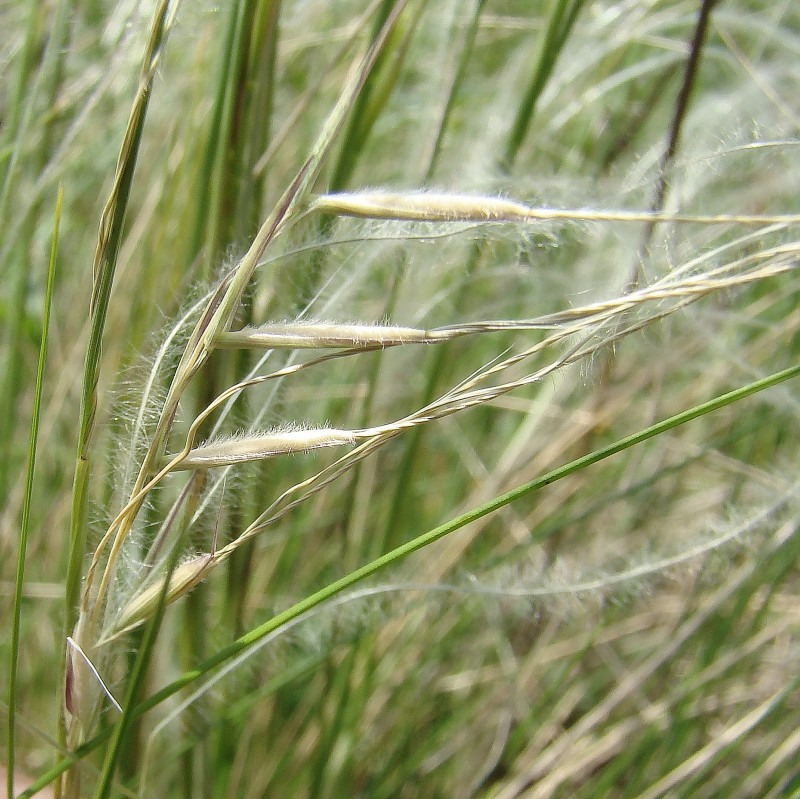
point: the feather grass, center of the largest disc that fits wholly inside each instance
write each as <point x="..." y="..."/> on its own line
<point x="411" y="270"/>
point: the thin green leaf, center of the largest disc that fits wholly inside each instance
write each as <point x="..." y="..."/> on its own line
<point x="28" y="498"/>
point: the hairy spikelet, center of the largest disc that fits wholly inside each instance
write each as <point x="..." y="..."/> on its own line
<point x="470" y="426"/>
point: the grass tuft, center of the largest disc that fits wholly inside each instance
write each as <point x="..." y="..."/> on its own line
<point x="421" y="419"/>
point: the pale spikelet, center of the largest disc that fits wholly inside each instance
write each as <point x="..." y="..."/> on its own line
<point x="445" y="207"/>
<point x="305" y="335"/>
<point x="239" y="449"/>
<point x="423" y="206"/>
<point x="181" y="581"/>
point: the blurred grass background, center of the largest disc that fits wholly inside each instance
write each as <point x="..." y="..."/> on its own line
<point x="630" y="631"/>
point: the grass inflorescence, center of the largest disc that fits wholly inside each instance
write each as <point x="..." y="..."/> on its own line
<point x="465" y="462"/>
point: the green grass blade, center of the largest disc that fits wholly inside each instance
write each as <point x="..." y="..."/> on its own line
<point x="104" y="267"/>
<point x="108" y="246"/>
<point x="122" y="728"/>
<point x="378" y="86"/>
<point x="14" y="266"/>
<point x="26" y="506"/>
<point x="456" y="84"/>
<point x="561" y="19"/>
<point x="209" y="175"/>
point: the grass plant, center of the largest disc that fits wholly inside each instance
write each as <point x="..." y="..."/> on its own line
<point x="420" y="419"/>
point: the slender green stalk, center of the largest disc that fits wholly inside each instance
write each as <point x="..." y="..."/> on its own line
<point x="28" y="498"/>
<point x="378" y="86"/>
<point x="122" y="728"/>
<point x="560" y="21"/>
<point x="210" y="174"/>
<point x="108" y="245"/>
<point x="456" y="83"/>
<point x="104" y="267"/>
<point x="22" y="110"/>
